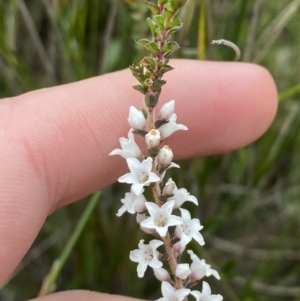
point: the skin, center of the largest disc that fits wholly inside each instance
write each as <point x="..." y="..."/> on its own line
<point x="55" y="142"/>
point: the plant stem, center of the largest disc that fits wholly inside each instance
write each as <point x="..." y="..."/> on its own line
<point x="172" y="260"/>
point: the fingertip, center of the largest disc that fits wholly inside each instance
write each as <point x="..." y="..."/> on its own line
<point x="80" y="295"/>
<point x="224" y="105"/>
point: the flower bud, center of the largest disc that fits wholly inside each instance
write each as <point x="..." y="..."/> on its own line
<point x="166" y="110"/>
<point x="153" y="139"/>
<point x="162" y="274"/>
<point x="165" y="156"/>
<point x="136" y="119"/>
<point x="182" y="270"/>
<point x="178" y="249"/>
<point x="169" y="187"/>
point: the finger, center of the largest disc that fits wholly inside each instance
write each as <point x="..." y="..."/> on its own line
<point x="55" y="142"/>
<point x="83" y="295"/>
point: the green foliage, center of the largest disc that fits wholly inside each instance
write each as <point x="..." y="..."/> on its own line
<point x="249" y="199"/>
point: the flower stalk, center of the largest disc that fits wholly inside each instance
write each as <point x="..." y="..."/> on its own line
<point x="158" y="216"/>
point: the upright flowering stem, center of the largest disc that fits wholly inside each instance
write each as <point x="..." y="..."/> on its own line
<point x="147" y="171"/>
<point x="172" y="260"/>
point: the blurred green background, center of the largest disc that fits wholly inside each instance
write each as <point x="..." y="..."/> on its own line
<point x="249" y="199"/>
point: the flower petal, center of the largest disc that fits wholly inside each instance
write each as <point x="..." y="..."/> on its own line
<point x="167" y="289"/>
<point x="152" y="208"/>
<point x="133" y="164"/>
<point x="155" y="243"/>
<point x="141" y="269"/>
<point x="127" y="178"/>
<point x="168" y="206"/>
<point x="155" y="263"/>
<point x="182" y="293"/>
<point x="196" y="294"/>
<point x="185" y="214"/>
<point x="206" y="289"/>
<point x="162" y="231"/>
<point x="137" y="188"/>
<point x="199" y="238"/>
<point x="162" y="274"/>
<point x="148" y="223"/>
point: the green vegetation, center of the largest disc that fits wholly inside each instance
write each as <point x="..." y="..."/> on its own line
<point x="249" y="199"/>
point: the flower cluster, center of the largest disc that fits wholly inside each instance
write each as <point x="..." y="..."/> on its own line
<point x="158" y="216"/>
<point x="163" y="216"/>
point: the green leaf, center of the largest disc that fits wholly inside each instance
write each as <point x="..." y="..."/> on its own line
<point x="152" y="99"/>
<point x="159" y="19"/>
<point x="147" y="60"/>
<point x="153" y="47"/>
<point x="153" y="7"/>
<point x="169" y="14"/>
<point x="173" y="22"/>
<point x="140" y="88"/>
<point x="157" y="84"/>
<point x="142" y="133"/>
<point x="175" y="28"/>
<point x="143" y="42"/>
<point x="153" y="152"/>
<point x="158" y="123"/>
<point x="172" y="45"/>
<point x="152" y="26"/>
<point x="165" y="69"/>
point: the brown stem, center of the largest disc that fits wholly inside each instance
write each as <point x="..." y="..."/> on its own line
<point x="172" y="260"/>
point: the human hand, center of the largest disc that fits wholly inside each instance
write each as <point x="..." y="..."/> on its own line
<point x="55" y="142"/>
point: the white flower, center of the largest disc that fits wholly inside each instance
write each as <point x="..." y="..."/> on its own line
<point x="162" y="274"/>
<point x="189" y="229"/>
<point x="161" y="218"/>
<point x="182" y="270"/>
<point x="169" y="128"/>
<point x="166" y="110"/>
<point x="171" y="294"/>
<point x="206" y="294"/>
<point x="164" y="156"/>
<point x="136" y="119"/>
<point x="129" y="147"/>
<point x="132" y="203"/>
<point x="181" y="195"/>
<point x="140" y="175"/>
<point x="153" y="139"/>
<point x="146" y="255"/>
<point x="199" y="268"/>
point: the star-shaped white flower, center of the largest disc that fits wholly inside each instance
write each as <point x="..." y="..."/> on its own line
<point x="132" y="203"/>
<point x="140" y="175"/>
<point x="206" y="294"/>
<point x="199" y="268"/>
<point x="129" y="149"/>
<point x="169" y="128"/>
<point x="161" y="218"/>
<point x="189" y="229"/>
<point x="180" y="195"/>
<point x="146" y="255"/>
<point x="171" y="294"/>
